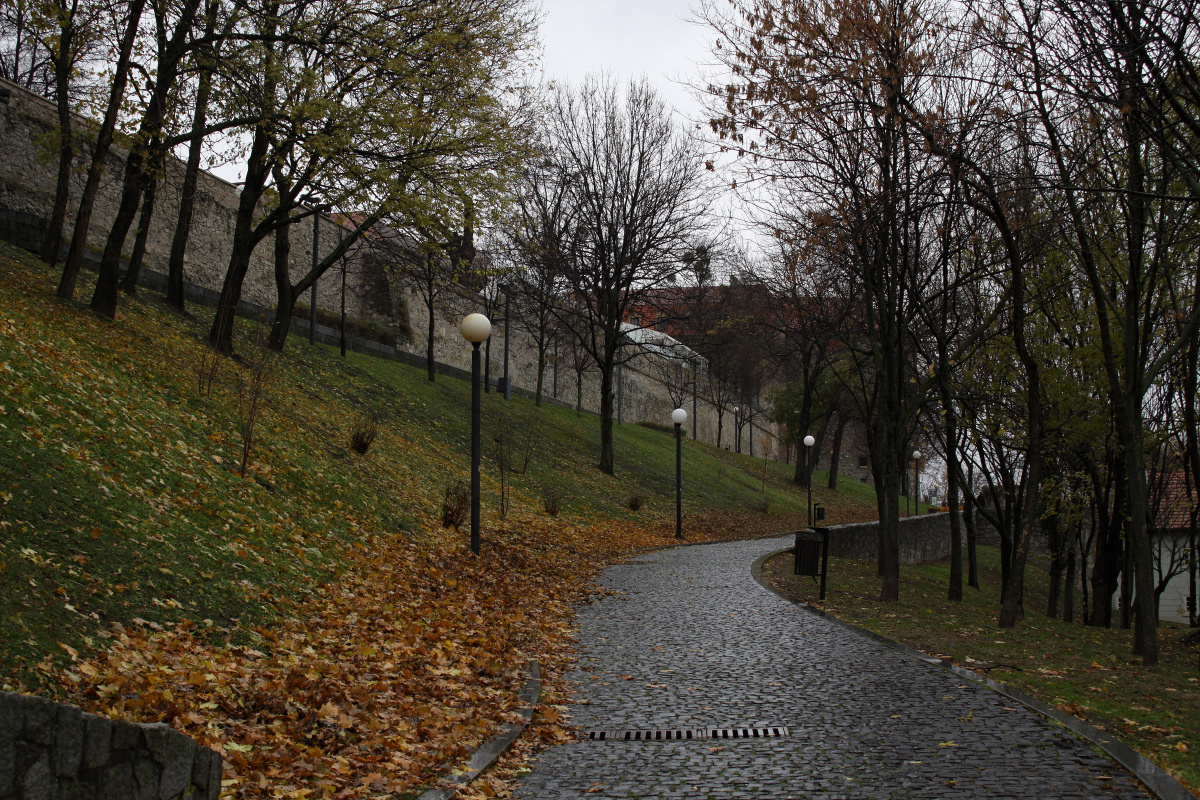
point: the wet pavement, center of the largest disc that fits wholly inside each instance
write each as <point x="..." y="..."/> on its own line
<point x="692" y="641"/>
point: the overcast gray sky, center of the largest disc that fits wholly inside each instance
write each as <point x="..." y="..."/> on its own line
<point x="627" y="38"/>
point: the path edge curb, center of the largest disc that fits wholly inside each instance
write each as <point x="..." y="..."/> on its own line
<point x="491" y="750"/>
<point x="1160" y="783"/>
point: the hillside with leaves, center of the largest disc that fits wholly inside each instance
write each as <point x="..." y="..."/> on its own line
<point x="311" y="619"/>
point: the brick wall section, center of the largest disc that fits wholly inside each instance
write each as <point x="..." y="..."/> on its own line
<point x="53" y="751"/>
<point x="923" y="538"/>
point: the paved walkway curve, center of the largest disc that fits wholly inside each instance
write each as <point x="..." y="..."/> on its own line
<point x="692" y="641"/>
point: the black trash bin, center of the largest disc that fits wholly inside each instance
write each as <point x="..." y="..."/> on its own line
<point x="808" y="554"/>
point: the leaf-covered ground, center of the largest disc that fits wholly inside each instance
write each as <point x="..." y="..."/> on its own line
<point x="312" y="619"/>
<point x="1085" y="671"/>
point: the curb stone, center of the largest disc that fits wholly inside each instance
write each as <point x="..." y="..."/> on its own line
<point x="1154" y="777"/>
<point x="493" y="748"/>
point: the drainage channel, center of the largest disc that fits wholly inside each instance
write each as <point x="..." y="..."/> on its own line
<point x="684" y="734"/>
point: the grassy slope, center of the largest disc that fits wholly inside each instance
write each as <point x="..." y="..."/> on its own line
<point x="1082" y="670"/>
<point x="122" y="498"/>
<point x="142" y="574"/>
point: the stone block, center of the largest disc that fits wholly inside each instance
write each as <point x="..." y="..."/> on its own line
<point x="74" y="789"/>
<point x="69" y="747"/>
<point x="177" y="769"/>
<point x="156" y="735"/>
<point x="200" y="765"/>
<point x="215" y="766"/>
<point x="126" y="736"/>
<point x="97" y="741"/>
<point x="37" y="783"/>
<point x="118" y="784"/>
<point x="146" y="773"/>
<point x="8" y="767"/>
<point x="11" y="722"/>
<point x="41" y="715"/>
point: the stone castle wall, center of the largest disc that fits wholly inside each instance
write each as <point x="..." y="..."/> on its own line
<point x="923" y="538"/>
<point x="51" y="750"/>
<point x="28" y="168"/>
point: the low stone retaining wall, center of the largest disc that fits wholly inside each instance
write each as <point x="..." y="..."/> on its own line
<point x="51" y="750"/>
<point x="923" y="538"/>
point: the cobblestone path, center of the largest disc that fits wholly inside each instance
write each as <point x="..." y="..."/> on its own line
<point x="693" y="641"/>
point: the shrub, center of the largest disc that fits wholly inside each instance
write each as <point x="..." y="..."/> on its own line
<point x="635" y="502"/>
<point x="355" y="326"/>
<point x="552" y="502"/>
<point x="456" y="505"/>
<point x="663" y="427"/>
<point x="363" y="434"/>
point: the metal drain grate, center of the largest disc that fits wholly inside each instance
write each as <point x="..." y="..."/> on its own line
<point x="685" y="734"/>
<point x="747" y="733"/>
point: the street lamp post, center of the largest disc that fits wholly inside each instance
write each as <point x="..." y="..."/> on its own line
<point x="475" y="329"/>
<point x="679" y="416"/>
<point x="737" y="430"/>
<point x="809" y="441"/>
<point x="916" y="481"/>
<point x="507" y="328"/>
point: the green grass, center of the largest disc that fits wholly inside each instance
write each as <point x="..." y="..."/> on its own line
<point x="121" y="498"/>
<point x="1083" y="670"/>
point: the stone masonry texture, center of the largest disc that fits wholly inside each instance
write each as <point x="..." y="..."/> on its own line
<point x="53" y="751"/>
<point x="922" y="538"/>
<point x="690" y="640"/>
<point x="27" y="179"/>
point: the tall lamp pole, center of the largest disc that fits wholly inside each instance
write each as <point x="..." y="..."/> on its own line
<point x="475" y="329"/>
<point x="809" y="441"/>
<point x="916" y="481"/>
<point x="679" y="416"/>
<point x="507" y="328"/>
<point x="737" y="430"/>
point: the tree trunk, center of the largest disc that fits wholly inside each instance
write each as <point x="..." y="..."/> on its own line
<point x="430" y="372"/>
<point x="804" y="420"/>
<point x="1054" y="536"/>
<point x="342" y="314"/>
<point x="487" y="365"/>
<point x="104" y="138"/>
<point x="104" y="298"/>
<point x="1145" y="627"/>
<point x="606" y="418"/>
<point x="220" y="336"/>
<point x="970" y="519"/>
<point x="578" y="394"/>
<point x="191" y="176"/>
<point x="1069" y="589"/>
<point x="133" y="274"/>
<point x="955" y="591"/>
<point x="889" y="533"/>
<point x="285" y="298"/>
<point x="541" y="374"/>
<point x="142" y="158"/>
<point x="1012" y="609"/>
<point x="836" y="453"/>
<point x="52" y="244"/>
<point x="1192" y="449"/>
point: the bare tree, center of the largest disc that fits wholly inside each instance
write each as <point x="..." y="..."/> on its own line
<point x="420" y="262"/>
<point x="633" y="185"/>
<point x="535" y="237"/>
